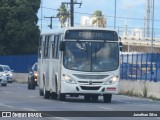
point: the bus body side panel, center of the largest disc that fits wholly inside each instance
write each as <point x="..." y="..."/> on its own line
<point x="40" y="66"/>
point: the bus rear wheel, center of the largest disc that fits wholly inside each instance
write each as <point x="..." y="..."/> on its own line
<point x="41" y="92"/>
<point x="47" y="94"/>
<point x="107" y="98"/>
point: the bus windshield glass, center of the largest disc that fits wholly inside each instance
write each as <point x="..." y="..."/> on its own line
<point x="91" y="56"/>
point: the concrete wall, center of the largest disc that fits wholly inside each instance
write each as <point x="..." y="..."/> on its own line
<point x="140" y="88"/>
<point x="20" y="77"/>
<point x="137" y="88"/>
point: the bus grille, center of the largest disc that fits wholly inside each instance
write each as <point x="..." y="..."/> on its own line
<point x="90" y="76"/>
<point x="90" y="88"/>
<point x="93" y="82"/>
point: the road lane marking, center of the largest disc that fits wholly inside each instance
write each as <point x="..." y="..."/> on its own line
<point x="128" y="102"/>
<point x="119" y="101"/>
<point x="106" y="108"/>
<point x="7" y="92"/>
<point x="29" y="109"/>
<point x="32" y="96"/>
<point x="61" y="118"/>
<point x="6" y="105"/>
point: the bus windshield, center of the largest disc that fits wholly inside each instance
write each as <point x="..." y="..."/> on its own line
<point x="91" y="56"/>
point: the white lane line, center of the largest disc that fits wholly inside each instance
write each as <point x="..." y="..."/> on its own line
<point x="29" y="109"/>
<point x="119" y="101"/>
<point x="106" y="108"/>
<point x="128" y="102"/>
<point x="7" y="92"/>
<point x="6" y="105"/>
<point x="32" y="96"/>
<point x="61" y="118"/>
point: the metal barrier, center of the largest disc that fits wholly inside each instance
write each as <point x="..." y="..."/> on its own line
<point x="19" y="63"/>
<point x="140" y="66"/>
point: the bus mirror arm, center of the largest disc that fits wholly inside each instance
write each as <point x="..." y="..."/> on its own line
<point x="62" y="46"/>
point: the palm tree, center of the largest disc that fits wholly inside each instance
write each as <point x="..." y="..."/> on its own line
<point x="63" y="15"/>
<point x="98" y="19"/>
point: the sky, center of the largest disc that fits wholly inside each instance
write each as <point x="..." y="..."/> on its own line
<point x="124" y="9"/>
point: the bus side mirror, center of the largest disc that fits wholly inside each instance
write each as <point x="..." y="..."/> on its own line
<point x="62" y="46"/>
<point x="120" y="46"/>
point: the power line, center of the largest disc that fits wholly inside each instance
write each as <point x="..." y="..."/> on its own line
<point x="106" y="16"/>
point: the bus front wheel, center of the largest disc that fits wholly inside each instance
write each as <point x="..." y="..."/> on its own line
<point x="61" y="97"/>
<point x="107" y="98"/>
<point x="87" y="98"/>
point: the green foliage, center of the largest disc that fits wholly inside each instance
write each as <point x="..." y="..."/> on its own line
<point x="99" y="19"/>
<point x="63" y="15"/>
<point x="19" y="33"/>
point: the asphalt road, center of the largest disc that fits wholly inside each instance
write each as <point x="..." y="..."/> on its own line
<point x="16" y="97"/>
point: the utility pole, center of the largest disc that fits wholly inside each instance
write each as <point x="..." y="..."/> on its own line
<point x="72" y="3"/>
<point x="152" y="28"/>
<point x="50" y="21"/>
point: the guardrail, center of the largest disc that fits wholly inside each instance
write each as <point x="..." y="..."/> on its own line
<point x="140" y="66"/>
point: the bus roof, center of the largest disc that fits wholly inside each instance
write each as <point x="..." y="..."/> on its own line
<point x="62" y="30"/>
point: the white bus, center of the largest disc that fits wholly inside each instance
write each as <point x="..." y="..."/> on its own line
<point x="79" y="61"/>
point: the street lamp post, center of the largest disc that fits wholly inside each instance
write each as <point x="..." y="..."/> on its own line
<point x="115" y="14"/>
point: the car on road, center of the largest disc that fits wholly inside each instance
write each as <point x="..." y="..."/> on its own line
<point x="3" y="78"/>
<point x="32" y="77"/>
<point x="7" y="72"/>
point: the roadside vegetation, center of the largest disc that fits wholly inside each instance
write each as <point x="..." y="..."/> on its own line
<point x="19" y="33"/>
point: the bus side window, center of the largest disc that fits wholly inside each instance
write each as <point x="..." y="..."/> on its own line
<point x="56" y="46"/>
<point x="55" y="50"/>
<point x="53" y="47"/>
<point x="46" y="47"/>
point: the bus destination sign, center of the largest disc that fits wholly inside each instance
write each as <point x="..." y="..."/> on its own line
<point x="91" y="35"/>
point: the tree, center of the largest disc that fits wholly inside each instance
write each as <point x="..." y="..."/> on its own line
<point x="63" y="15"/>
<point x="19" y="33"/>
<point x="98" y="19"/>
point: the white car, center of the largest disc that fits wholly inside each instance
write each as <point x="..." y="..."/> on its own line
<point x="3" y="78"/>
<point x="6" y="72"/>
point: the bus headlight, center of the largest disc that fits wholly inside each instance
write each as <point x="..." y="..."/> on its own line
<point x="68" y="79"/>
<point x="112" y="80"/>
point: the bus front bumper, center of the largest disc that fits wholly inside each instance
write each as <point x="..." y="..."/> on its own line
<point x="81" y="89"/>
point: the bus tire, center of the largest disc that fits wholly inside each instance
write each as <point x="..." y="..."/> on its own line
<point x="53" y="95"/>
<point x="61" y="97"/>
<point x="87" y="98"/>
<point x="107" y="98"/>
<point x="95" y="97"/>
<point x="47" y="94"/>
<point x="41" y="92"/>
